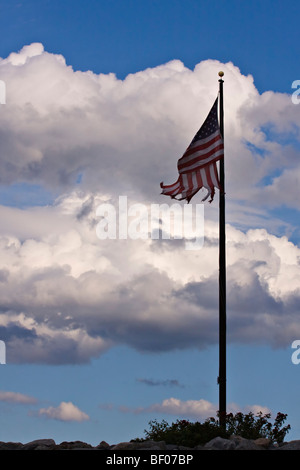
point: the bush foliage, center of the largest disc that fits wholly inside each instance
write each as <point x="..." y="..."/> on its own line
<point x="249" y="426"/>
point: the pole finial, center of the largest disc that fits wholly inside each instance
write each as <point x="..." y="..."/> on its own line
<point x="221" y="74"/>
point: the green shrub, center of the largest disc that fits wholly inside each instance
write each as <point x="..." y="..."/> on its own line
<point x="188" y="434"/>
<point x="253" y="427"/>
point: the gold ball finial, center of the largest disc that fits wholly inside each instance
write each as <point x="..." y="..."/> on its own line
<point x="221" y="74"/>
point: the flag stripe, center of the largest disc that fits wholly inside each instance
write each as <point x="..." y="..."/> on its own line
<point x="204" y="145"/>
<point x="201" y="155"/>
<point x="214" y="175"/>
<point x="203" y="176"/>
<point x="213" y="156"/>
<point x="195" y="182"/>
<point x="199" y="179"/>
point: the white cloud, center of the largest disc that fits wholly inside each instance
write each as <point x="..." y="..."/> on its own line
<point x="126" y="135"/>
<point x="196" y="409"/>
<point x="20" y="58"/>
<point x="67" y="296"/>
<point x="15" y="397"/>
<point x="66" y="411"/>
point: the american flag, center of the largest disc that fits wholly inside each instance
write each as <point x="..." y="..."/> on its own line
<point x="197" y="167"/>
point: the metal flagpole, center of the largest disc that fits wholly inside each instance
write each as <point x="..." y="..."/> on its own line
<point x="222" y="274"/>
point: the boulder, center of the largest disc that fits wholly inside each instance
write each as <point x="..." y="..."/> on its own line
<point x="72" y="445"/>
<point x="144" y="445"/>
<point x="263" y="442"/>
<point x="103" y="445"/>
<point x="292" y="445"/>
<point x="240" y="443"/>
<point x="219" y="443"/>
<point x="124" y="446"/>
<point x="11" y="445"/>
<point x="39" y="444"/>
<point x="150" y="445"/>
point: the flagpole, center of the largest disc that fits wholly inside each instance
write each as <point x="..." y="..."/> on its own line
<point x="222" y="274"/>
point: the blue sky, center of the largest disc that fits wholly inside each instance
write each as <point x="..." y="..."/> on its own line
<point x="102" y="98"/>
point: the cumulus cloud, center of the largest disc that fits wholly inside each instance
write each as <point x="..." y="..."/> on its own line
<point x="66" y="411"/>
<point x="195" y="409"/>
<point x="65" y="295"/>
<point x="60" y="124"/>
<point x="15" y="397"/>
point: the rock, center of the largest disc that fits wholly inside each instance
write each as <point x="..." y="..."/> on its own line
<point x="151" y="445"/>
<point x="245" y="444"/>
<point x="123" y="446"/>
<point x="103" y="445"/>
<point x="10" y="445"/>
<point x="292" y="445"/>
<point x="219" y="443"/>
<point x="72" y="445"/>
<point x="263" y="442"/>
<point x="144" y="445"/>
<point x="200" y="447"/>
<point x="39" y="444"/>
